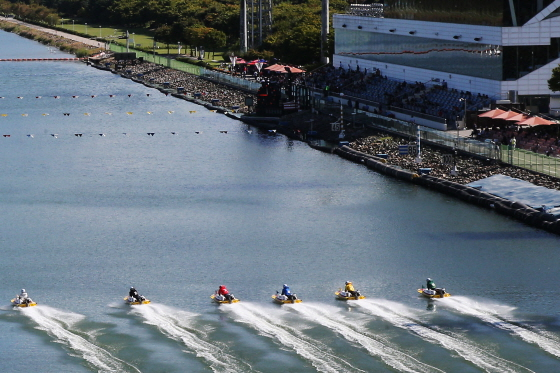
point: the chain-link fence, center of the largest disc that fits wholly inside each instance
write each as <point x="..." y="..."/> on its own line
<point x="192" y="69"/>
<point x="160" y="60"/>
<point x="531" y="161"/>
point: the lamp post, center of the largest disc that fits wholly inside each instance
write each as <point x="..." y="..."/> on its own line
<point x="179" y="53"/>
<point x="86" y="28"/>
<point x="73" y="26"/>
<point x="464" y="116"/>
<point x="133" y="44"/>
<point x="99" y="32"/>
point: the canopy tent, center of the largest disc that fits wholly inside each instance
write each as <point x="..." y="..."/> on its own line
<point x="284" y="69"/>
<point x="536" y="121"/>
<point x="508" y="114"/>
<point x="518" y="118"/>
<point x="492" y="113"/>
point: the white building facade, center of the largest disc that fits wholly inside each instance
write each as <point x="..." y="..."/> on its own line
<point x="501" y="48"/>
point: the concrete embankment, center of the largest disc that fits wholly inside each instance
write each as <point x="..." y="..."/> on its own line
<point x="516" y="210"/>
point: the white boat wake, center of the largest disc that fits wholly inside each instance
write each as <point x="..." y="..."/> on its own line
<point x="334" y="320"/>
<point x="176" y="324"/>
<point x="57" y="324"/>
<point x="493" y="316"/>
<point x="401" y="317"/>
<point x="311" y="350"/>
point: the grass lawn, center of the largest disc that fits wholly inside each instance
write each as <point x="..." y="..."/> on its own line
<point x="139" y="38"/>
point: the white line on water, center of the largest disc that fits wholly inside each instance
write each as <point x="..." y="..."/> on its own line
<point x="398" y="315"/>
<point x="311" y="350"/>
<point x="56" y="323"/>
<point x="390" y="356"/>
<point x="489" y="315"/>
<point x="176" y="325"/>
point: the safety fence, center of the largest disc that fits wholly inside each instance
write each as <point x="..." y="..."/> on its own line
<point x="171" y="63"/>
<point x="450" y="139"/>
<point x="160" y="60"/>
<point x="531" y="161"/>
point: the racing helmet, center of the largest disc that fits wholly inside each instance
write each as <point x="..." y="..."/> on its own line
<point x="428" y="279"/>
<point x="23" y="290"/>
<point x="348" y="282"/>
<point x="285" y="285"/>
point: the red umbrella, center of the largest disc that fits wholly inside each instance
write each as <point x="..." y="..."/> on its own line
<point x="492" y="113"/>
<point x="276" y="68"/>
<point x="518" y="118"/>
<point x="535" y="121"/>
<point x="506" y="115"/>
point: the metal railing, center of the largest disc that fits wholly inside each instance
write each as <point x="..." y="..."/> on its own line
<point x="160" y="60"/>
<point x="171" y="63"/>
<point x="531" y="161"/>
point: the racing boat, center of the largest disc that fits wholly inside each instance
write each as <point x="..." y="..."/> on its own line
<point x="283" y="299"/>
<point x="18" y="302"/>
<point x="133" y="301"/>
<point x="221" y="299"/>
<point x="437" y="293"/>
<point x="344" y="295"/>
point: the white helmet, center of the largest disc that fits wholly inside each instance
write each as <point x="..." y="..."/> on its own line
<point x="23" y="290"/>
<point x="348" y="282"/>
<point x="428" y="279"/>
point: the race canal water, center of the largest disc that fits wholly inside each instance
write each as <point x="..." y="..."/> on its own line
<point x="178" y="213"/>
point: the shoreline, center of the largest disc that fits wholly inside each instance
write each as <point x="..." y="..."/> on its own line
<point x="362" y="149"/>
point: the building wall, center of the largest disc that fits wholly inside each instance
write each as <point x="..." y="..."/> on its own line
<point x="412" y="50"/>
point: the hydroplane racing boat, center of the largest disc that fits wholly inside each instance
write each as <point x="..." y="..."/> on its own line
<point x="437" y="293"/>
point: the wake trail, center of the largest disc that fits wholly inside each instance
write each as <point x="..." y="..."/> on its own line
<point x="490" y="315"/>
<point x="399" y="316"/>
<point x="176" y="325"/>
<point x="311" y="350"/>
<point x="332" y="319"/>
<point x="57" y="324"/>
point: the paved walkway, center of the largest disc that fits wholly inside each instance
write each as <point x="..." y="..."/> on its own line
<point x="92" y="42"/>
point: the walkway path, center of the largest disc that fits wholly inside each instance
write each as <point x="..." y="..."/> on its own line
<point x="94" y="43"/>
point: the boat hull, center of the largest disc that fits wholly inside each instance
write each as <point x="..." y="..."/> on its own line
<point x="23" y="305"/>
<point x="340" y="295"/>
<point x="276" y="299"/>
<point x="223" y="301"/>
<point x="136" y="303"/>
<point x="426" y="293"/>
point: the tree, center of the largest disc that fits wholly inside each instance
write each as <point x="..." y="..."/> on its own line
<point x="164" y="35"/>
<point x="215" y="39"/>
<point x="554" y="81"/>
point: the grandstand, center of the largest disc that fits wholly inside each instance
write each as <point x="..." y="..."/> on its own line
<point x="481" y="50"/>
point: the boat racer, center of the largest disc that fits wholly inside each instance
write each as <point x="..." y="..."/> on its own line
<point x="349" y="288"/>
<point x="133" y="294"/>
<point x="430" y="284"/>
<point x="288" y="293"/>
<point x="23" y="298"/>
<point x="223" y="291"/>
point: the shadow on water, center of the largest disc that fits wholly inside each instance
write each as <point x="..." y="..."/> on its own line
<point x="491" y="236"/>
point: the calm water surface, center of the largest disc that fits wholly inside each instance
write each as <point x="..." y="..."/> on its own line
<point x="178" y="213"/>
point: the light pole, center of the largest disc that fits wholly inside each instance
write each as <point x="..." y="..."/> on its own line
<point x="73" y="26"/>
<point x="86" y="28"/>
<point x="99" y="32"/>
<point x="179" y="53"/>
<point x="464" y="116"/>
<point x="133" y="44"/>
